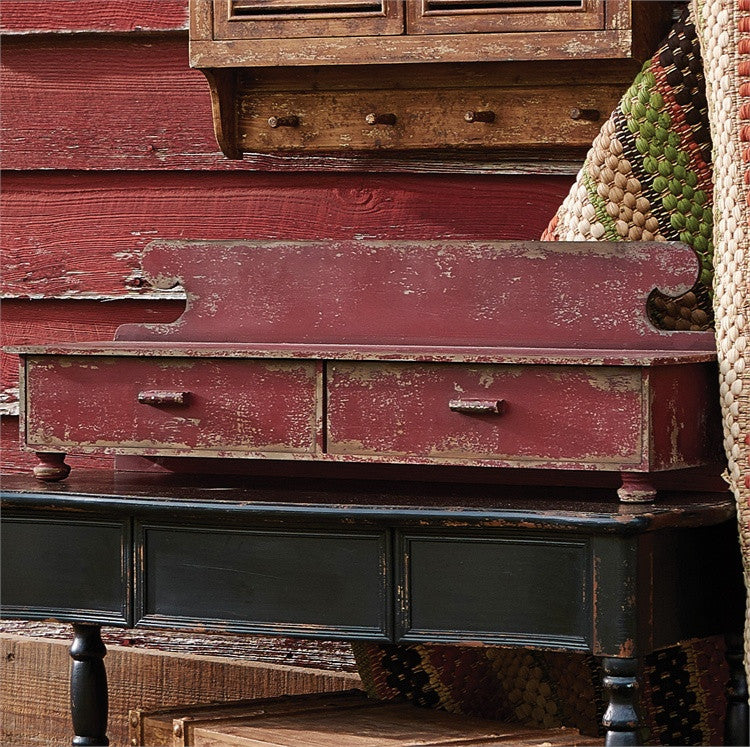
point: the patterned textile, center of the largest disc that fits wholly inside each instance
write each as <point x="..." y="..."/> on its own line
<point x="671" y="163"/>
<point x="682" y="698"/>
<point x="724" y="31"/>
<point x="648" y="173"/>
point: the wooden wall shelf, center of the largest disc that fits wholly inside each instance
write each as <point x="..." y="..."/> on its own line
<point x="291" y="79"/>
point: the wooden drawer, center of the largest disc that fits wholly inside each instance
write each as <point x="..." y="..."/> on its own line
<point x="531" y="590"/>
<point x="328" y="583"/>
<point x="66" y="569"/>
<point x="589" y="416"/>
<point x="165" y="405"/>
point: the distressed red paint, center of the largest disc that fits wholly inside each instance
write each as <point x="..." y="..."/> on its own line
<point x="41" y="16"/>
<point x="89" y="237"/>
<point x="243" y="374"/>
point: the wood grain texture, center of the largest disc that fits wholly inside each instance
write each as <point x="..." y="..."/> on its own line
<point x="338" y="719"/>
<point x="363" y="50"/>
<point x="115" y="102"/>
<point x="97" y="101"/>
<point x="528" y="117"/>
<point x="15" y="461"/>
<point x="34" y="686"/>
<point x="370" y="19"/>
<point x="66" y="16"/>
<point x="88" y="239"/>
<point x="80" y="321"/>
<point x="427" y="18"/>
<point x="432" y="294"/>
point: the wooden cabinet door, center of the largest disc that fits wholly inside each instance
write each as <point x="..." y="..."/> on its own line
<point x="285" y="19"/>
<point x="490" y="16"/>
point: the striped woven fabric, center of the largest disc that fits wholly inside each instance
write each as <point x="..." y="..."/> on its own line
<point x="682" y="698"/>
<point x="648" y="173"/>
<point x="724" y="32"/>
<point x="671" y="163"/>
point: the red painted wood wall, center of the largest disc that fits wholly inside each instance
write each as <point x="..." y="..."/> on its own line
<point x="107" y="144"/>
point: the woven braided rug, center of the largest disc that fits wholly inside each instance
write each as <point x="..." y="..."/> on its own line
<point x="671" y="163"/>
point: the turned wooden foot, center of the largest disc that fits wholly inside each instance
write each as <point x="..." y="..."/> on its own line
<point x="620" y="720"/>
<point x="88" y="687"/>
<point x="51" y="467"/>
<point x="737" y="728"/>
<point x="636" y="488"/>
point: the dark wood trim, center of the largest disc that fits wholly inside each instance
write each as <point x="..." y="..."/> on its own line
<point x="621" y="720"/>
<point x="122" y="619"/>
<point x="737" y="725"/>
<point x="615" y="582"/>
<point x="88" y="687"/>
<point x="381" y="633"/>
<point x="193" y="498"/>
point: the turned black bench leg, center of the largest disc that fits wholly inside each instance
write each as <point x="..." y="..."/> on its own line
<point x="88" y="687"/>
<point x="620" y="720"/>
<point x="737" y="729"/>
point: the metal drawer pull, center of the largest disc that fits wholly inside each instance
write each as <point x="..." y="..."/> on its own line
<point x="162" y="397"/>
<point x="485" y="116"/>
<point x="587" y="115"/>
<point x="478" y="406"/>
<point x="380" y="119"/>
<point x="290" y="121"/>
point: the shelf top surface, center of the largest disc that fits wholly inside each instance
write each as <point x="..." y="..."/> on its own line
<point x="232" y="499"/>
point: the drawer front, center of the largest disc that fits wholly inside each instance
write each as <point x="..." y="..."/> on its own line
<point x="523" y="591"/>
<point x="290" y="19"/>
<point x="171" y="405"/>
<point x="297" y="583"/>
<point x="66" y="569"/>
<point x="548" y="416"/>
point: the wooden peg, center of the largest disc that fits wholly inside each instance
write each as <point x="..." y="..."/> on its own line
<point x="380" y="119"/>
<point x="587" y="115"/>
<point x="480" y="116"/>
<point x="288" y="121"/>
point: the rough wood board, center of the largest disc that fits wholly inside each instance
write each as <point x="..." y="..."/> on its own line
<point x="34" y="686"/>
<point x="13" y="460"/>
<point x="387" y="19"/>
<point x="26" y="321"/>
<point x="441" y="75"/>
<point x="67" y="16"/>
<point x="95" y="101"/>
<point x="550" y="45"/>
<point x="338" y="719"/>
<point x="82" y="234"/>
<point x="425" y="20"/>
<point x="435" y="293"/>
<point x="531" y="117"/>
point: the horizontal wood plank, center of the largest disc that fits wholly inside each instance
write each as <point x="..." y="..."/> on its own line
<point x="548" y="45"/>
<point x="15" y="460"/>
<point x="73" y="321"/>
<point x="131" y="102"/>
<point x="81" y="235"/>
<point x="34" y="693"/>
<point x="97" y="102"/>
<point x="66" y="16"/>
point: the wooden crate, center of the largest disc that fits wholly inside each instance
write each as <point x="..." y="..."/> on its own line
<point x="331" y="720"/>
<point x="34" y="687"/>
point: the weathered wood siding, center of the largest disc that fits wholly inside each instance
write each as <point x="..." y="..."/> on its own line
<point x="107" y="144"/>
